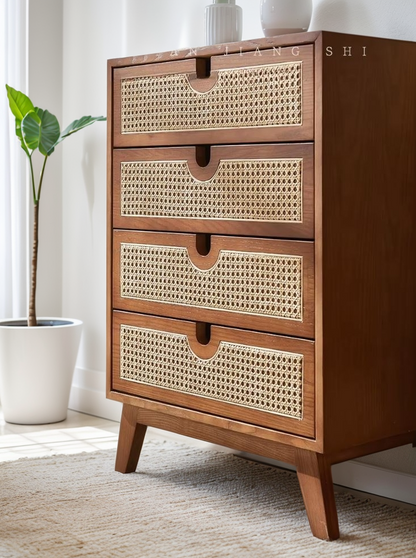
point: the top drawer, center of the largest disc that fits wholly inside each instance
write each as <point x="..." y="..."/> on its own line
<point x="250" y="97"/>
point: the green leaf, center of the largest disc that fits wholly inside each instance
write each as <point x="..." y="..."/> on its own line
<point x="31" y="130"/>
<point x="19" y="103"/>
<point x="41" y="130"/>
<point x="19" y="134"/>
<point x="79" y="124"/>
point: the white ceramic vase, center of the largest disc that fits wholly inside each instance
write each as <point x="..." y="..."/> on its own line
<point x="279" y="17"/>
<point x="223" y="22"/>
<point x="36" y="369"/>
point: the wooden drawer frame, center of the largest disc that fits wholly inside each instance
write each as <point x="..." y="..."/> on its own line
<point x="304" y="427"/>
<point x="191" y="70"/>
<point x="202" y="180"/>
<point x="304" y="251"/>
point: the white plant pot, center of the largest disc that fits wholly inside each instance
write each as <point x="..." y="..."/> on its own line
<point x="285" y="16"/>
<point x="36" y="369"/>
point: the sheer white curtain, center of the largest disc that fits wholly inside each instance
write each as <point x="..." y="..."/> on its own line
<point x="13" y="178"/>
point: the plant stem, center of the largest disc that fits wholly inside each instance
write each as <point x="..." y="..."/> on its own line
<point x="41" y="177"/>
<point x="32" y="178"/>
<point x="32" y="321"/>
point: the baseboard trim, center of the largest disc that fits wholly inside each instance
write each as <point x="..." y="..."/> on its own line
<point x="375" y="480"/>
<point x="88" y="395"/>
<point x="351" y="474"/>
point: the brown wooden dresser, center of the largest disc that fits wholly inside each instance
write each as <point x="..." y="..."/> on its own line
<point x="261" y="250"/>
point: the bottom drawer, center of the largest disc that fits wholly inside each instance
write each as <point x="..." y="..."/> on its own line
<point x="261" y="379"/>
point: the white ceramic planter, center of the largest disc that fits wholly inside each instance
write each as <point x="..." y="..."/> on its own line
<point x="36" y="369"/>
<point x="285" y="16"/>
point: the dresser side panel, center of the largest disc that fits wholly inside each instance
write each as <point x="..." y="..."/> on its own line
<point x="368" y="239"/>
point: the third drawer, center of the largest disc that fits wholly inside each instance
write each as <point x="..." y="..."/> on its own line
<point x="261" y="284"/>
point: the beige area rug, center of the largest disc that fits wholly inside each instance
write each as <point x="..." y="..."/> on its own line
<point x="183" y="502"/>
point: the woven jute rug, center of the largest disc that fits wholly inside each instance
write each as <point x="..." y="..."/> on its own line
<point x="182" y="502"/>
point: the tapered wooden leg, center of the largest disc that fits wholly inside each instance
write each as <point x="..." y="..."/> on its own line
<point x="315" y="479"/>
<point x="130" y="440"/>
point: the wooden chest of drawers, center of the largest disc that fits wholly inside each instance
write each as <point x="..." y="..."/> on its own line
<point x="261" y="233"/>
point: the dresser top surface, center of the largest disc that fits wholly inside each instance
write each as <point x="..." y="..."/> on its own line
<point x="263" y="43"/>
<point x="215" y="50"/>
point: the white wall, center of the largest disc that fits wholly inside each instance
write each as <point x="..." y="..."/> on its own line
<point x="393" y="19"/>
<point x="92" y="32"/>
<point x="45" y="90"/>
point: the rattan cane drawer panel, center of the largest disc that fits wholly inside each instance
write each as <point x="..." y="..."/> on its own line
<point x="266" y="189"/>
<point x="267" y="283"/>
<point x="258" y="378"/>
<point x="163" y="104"/>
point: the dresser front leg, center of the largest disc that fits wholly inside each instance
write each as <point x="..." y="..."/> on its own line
<point x="130" y="440"/>
<point x="315" y="479"/>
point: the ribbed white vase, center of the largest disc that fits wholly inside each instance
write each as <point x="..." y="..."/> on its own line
<point x="223" y="22"/>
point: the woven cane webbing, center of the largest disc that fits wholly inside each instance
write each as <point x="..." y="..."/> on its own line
<point x="269" y="95"/>
<point x="253" y="377"/>
<point x="244" y="282"/>
<point x="261" y="190"/>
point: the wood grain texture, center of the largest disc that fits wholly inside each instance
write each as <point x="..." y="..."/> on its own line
<point x="303" y="427"/>
<point x="368" y="237"/>
<point x="109" y="228"/>
<point x="315" y="479"/>
<point x="208" y="433"/>
<point x="249" y="133"/>
<point x="176" y="415"/>
<point x="251" y="318"/>
<point x="202" y="52"/>
<point x="131" y="440"/>
<point x="282" y="229"/>
<point x="319" y="393"/>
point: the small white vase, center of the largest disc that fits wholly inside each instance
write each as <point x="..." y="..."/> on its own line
<point x="223" y="22"/>
<point x="36" y="369"/>
<point x="279" y="17"/>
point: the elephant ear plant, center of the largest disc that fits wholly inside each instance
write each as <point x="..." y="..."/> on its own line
<point x="38" y="129"/>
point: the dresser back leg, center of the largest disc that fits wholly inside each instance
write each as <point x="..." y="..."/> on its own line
<point x="130" y="440"/>
<point x="315" y="479"/>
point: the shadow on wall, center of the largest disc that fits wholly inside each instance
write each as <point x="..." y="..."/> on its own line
<point x="340" y="15"/>
<point x="380" y="18"/>
<point x="91" y="155"/>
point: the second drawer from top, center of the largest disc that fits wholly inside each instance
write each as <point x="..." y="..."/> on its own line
<point x="253" y="190"/>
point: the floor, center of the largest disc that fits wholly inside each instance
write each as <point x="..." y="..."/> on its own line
<point x="85" y="433"/>
<point x="79" y="433"/>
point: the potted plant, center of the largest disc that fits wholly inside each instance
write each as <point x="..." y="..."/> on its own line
<point x="37" y="356"/>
